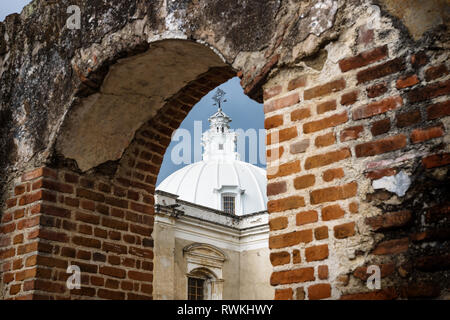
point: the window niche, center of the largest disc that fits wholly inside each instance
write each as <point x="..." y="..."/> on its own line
<point x="204" y="271"/>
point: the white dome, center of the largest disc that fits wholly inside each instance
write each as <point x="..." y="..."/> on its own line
<point x="205" y="182"/>
<point x="220" y="181"/>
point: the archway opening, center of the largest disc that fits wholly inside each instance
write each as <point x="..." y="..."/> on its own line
<point x="211" y="192"/>
<point x="97" y="205"/>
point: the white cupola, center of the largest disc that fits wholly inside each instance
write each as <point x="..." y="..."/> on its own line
<point x="220" y="181"/>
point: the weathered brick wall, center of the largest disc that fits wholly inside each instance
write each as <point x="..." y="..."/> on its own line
<point x="376" y="105"/>
<point x="56" y="217"/>
<point x="349" y="96"/>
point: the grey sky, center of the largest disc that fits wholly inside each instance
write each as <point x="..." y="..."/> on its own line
<point x="245" y="114"/>
<point x="11" y="6"/>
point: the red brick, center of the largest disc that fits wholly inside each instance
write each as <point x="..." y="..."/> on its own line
<point x="327" y="158"/>
<point x="11" y="203"/>
<point x="140" y="276"/>
<point x="430" y="91"/>
<point x="299" y="147"/>
<point x="380" y="173"/>
<point x="345" y="230"/>
<point x="296" y="258"/>
<point x="380" y="70"/>
<point x="331" y="121"/>
<point x="281" y="135"/>
<point x="408" y="118"/>
<point x="137" y="229"/>
<point x="138" y="207"/>
<point x="273" y="122"/>
<point x="284" y="169"/>
<point x="278" y="223"/>
<point x="324" y="89"/>
<point x="281" y="103"/>
<point x="292" y="276"/>
<point x="297" y="83"/>
<point x="438" y="110"/>
<point x="380" y="146"/>
<point x="419" y="59"/>
<point x="405" y="82"/>
<point x="436" y="160"/>
<point x="54" y="211"/>
<point x="321" y="233"/>
<point x="110" y="295"/>
<point x="290" y="239"/>
<point x="112" y="272"/>
<point x="275" y="188"/>
<point x="363" y="59"/>
<point x="319" y="291"/>
<point x="280" y="258"/>
<point x="325" y="140"/>
<point x="91" y="195"/>
<point x="377" y="107"/>
<point x="7" y="253"/>
<point x="351" y="133"/>
<point x="40" y="172"/>
<point x="284" y="204"/>
<point x="435" y="72"/>
<point x="49" y="286"/>
<point x="51" y="262"/>
<point x="326" y="106"/>
<point x="376" y="90"/>
<point x="334" y="193"/>
<point x="332" y="212"/>
<point x="28" y="223"/>
<point x="274" y="154"/>
<point x="331" y="174"/>
<point x="322" y="271"/>
<point x="18" y="190"/>
<point x="53" y="235"/>
<point x="380" y="127"/>
<point x="300" y="114"/>
<point x="316" y="253"/>
<point x="306" y="217"/>
<point x="420" y="135"/>
<point x="272" y="92"/>
<point x="421" y="290"/>
<point x="382" y="294"/>
<point x="392" y="246"/>
<point x="349" y="98"/>
<point x="53" y="185"/>
<point x="86" y="242"/>
<point x="386" y="269"/>
<point x="114" y="224"/>
<point x="87" y="217"/>
<point x="283" y="294"/>
<point x="305" y="181"/>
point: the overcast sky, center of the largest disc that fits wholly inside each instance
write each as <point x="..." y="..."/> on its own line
<point x="245" y="112"/>
<point x="11" y="6"/>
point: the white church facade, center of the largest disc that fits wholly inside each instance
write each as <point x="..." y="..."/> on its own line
<point x="211" y="225"/>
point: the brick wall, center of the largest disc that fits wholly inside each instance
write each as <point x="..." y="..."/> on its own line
<point x="377" y="106"/>
<point x="56" y="217"/>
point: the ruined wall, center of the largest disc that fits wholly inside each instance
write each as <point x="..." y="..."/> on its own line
<point x="355" y="91"/>
<point x="363" y="166"/>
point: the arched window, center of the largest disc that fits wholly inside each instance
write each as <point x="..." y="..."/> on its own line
<point x="204" y="271"/>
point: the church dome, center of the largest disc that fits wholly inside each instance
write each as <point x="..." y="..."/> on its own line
<point x="207" y="182"/>
<point x="220" y="181"/>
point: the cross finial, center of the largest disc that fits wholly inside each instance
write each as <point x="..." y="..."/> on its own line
<point x="219" y="98"/>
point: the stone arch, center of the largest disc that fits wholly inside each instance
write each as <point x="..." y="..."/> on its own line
<point x="348" y="87"/>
